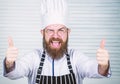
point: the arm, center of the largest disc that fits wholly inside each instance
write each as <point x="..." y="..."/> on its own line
<point x="87" y="67"/>
<point x="16" y="68"/>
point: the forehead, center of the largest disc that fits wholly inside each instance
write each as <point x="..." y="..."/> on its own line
<point x="55" y="26"/>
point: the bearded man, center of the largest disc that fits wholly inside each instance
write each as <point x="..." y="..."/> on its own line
<point x="55" y="63"/>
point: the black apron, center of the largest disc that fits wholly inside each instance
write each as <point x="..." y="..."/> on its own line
<point x="63" y="79"/>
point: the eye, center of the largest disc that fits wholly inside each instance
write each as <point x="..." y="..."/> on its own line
<point x="62" y="30"/>
<point x="49" y="31"/>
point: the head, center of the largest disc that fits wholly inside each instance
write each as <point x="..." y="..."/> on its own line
<point x="55" y="40"/>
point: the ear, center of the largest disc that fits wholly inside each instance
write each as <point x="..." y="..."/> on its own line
<point x="69" y="30"/>
<point x="42" y="32"/>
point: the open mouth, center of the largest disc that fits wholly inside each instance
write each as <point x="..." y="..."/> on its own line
<point x="55" y="44"/>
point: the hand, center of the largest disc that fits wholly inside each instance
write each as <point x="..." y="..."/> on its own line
<point x="11" y="54"/>
<point x="103" y="59"/>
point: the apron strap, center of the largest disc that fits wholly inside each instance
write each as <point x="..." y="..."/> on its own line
<point x="41" y="64"/>
<point x="69" y="63"/>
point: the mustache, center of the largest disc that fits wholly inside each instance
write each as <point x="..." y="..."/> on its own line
<point x="55" y="39"/>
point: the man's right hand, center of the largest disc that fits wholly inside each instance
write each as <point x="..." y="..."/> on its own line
<point x="11" y="54"/>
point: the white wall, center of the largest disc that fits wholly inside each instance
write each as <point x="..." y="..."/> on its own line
<point x="89" y="20"/>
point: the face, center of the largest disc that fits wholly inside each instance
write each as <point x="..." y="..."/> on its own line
<point x="55" y="40"/>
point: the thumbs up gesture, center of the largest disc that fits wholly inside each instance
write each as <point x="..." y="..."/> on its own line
<point x="11" y="54"/>
<point x="103" y="59"/>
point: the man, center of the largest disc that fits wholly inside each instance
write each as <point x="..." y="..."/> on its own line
<point x="55" y="63"/>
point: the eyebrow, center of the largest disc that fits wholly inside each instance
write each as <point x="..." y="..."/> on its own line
<point x="63" y="28"/>
<point x="58" y="29"/>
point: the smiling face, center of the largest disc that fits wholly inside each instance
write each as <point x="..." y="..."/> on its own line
<point x="55" y="40"/>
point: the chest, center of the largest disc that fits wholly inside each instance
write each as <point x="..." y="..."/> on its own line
<point x="59" y="71"/>
<point x="60" y="67"/>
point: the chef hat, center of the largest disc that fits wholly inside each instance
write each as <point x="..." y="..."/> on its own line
<point x="54" y="12"/>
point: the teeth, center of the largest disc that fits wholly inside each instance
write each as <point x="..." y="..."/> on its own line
<point x="55" y="43"/>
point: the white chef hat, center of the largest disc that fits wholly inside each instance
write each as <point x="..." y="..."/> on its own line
<point x="54" y="12"/>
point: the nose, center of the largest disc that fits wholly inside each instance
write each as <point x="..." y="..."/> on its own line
<point x="55" y="35"/>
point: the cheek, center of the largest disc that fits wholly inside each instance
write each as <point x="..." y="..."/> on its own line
<point x="64" y="38"/>
<point x="47" y="38"/>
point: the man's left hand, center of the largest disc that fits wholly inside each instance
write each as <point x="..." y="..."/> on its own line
<point x="103" y="59"/>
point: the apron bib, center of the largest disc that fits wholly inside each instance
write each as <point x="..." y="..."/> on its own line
<point x="63" y="79"/>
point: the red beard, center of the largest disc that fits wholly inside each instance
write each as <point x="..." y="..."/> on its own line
<point x="55" y="53"/>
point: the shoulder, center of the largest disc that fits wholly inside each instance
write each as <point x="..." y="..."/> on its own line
<point x="77" y="56"/>
<point x="36" y="53"/>
<point x="75" y="53"/>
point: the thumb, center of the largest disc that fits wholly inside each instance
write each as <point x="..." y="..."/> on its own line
<point x="10" y="42"/>
<point x="102" y="44"/>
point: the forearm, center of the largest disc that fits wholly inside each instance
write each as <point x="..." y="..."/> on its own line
<point x="13" y="70"/>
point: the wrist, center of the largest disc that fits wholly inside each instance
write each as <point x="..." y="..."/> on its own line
<point x="103" y="69"/>
<point x="9" y="66"/>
